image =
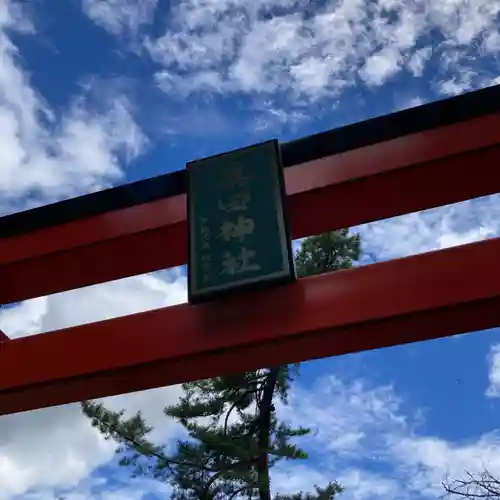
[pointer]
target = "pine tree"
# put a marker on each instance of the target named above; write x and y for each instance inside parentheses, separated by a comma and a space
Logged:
(233, 436)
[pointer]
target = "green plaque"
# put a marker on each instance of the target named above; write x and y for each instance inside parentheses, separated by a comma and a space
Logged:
(238, 233)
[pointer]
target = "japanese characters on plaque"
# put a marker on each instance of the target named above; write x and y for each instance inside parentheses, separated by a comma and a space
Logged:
(238, 233)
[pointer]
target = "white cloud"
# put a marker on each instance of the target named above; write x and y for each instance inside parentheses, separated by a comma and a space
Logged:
(365, 485)
(431, 460)
(493, 390)
(381, 66)
(432, 229)
(120, 17)
(94, 303)
(367, 438)
(291, 48)
(102, 489)
(492, 42)
(290, 480)
(24, 319)
(15, 16)
(329, 407)
(293, 54)
(56, 447)
(44, 158)
(417, 62)
(48, 448)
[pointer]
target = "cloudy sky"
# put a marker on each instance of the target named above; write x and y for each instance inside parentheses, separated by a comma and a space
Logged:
(95, 93)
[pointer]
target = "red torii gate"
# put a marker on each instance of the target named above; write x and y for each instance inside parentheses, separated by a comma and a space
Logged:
(436, 154)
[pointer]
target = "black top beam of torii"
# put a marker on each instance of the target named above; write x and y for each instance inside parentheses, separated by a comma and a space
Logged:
(372, 131)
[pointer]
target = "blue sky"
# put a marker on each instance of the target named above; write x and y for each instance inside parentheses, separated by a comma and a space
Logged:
(99, 93)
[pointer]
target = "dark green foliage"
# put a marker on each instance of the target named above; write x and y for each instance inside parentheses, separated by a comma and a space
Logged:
(232, 435)
(327, 252)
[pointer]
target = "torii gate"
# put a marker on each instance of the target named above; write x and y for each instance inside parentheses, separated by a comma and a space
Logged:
(432, 155)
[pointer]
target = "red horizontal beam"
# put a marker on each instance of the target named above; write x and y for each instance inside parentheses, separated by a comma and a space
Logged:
(427, 296)
(371, 183)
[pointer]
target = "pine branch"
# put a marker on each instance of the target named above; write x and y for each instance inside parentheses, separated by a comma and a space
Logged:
(236, 403)
(239, 491)
(216, 477)
(114, 430)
